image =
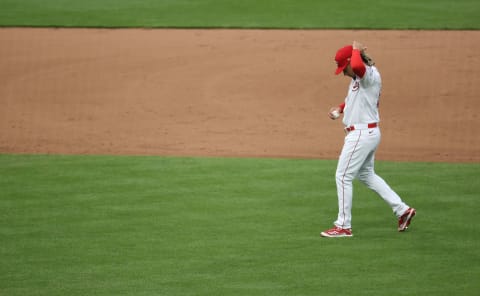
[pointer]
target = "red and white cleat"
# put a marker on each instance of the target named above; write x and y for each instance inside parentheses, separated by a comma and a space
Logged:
(337, 232)
(405, 219)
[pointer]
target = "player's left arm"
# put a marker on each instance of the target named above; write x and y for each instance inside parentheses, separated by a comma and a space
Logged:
(356, 63)
(356, 60)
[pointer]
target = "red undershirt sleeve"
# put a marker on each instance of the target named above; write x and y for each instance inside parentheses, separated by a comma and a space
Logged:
(341, 106)
(357, 64)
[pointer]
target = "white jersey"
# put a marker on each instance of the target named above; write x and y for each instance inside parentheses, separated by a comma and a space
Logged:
(361, 103)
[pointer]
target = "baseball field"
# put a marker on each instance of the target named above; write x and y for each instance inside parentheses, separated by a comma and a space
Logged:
(183, 148)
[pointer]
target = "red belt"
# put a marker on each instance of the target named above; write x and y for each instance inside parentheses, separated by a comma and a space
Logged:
(360, 126)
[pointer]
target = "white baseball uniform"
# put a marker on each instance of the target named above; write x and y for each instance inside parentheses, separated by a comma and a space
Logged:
(356, 160)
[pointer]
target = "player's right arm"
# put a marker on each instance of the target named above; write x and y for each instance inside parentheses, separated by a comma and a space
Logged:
(338, 109)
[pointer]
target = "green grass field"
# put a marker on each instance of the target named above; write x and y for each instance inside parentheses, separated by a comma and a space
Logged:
(105, 225)
(334, 14)
(102, 225)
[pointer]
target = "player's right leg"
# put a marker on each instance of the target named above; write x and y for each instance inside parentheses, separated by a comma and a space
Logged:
(355, 150)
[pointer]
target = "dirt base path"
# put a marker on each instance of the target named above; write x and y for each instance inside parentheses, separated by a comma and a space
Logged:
(232, 92)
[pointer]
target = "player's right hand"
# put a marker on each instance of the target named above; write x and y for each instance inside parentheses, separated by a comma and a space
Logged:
(334, 113)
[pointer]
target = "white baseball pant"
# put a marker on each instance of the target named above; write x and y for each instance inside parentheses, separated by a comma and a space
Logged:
(357, 161)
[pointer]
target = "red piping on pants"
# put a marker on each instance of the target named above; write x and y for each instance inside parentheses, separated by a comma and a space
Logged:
(343, 178)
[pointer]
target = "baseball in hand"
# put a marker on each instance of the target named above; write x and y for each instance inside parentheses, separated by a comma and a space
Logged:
(335, 114)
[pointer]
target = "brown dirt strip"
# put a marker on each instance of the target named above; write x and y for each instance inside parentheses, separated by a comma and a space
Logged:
(261, 93)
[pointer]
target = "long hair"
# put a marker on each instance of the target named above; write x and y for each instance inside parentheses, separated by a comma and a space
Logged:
(366, 58)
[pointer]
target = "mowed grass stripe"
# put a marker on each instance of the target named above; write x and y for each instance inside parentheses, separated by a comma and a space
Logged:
(103, 225)
(302, 14)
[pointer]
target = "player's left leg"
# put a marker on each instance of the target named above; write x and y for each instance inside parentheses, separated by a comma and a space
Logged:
(403, 212)
(368, 176)
(377, 184)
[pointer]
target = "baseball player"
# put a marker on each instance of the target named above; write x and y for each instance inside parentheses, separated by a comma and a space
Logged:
(361, 120)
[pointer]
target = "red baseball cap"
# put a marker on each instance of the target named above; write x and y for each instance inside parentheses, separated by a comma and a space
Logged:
(343, 57)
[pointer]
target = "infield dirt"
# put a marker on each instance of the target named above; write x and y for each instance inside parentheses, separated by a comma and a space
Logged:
(260, 93)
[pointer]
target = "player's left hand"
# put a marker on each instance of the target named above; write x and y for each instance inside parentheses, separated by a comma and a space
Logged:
(357, 45)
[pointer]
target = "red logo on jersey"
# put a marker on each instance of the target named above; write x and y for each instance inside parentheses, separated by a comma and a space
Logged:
(356, 86)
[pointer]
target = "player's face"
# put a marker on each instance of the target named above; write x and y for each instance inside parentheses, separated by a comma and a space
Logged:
(348, 71)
